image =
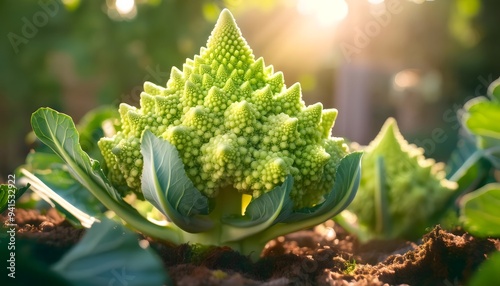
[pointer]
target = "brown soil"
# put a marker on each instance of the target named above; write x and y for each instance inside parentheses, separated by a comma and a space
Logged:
(49, 228)
(323, 256)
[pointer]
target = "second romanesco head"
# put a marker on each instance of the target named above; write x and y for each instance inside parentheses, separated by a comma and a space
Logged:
(235, 125)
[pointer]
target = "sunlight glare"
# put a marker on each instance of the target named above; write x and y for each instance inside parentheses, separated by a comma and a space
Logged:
(375, 1)
(124, 7)
(328, 12)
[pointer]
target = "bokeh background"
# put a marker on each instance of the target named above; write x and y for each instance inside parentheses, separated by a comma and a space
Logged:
(418, 61)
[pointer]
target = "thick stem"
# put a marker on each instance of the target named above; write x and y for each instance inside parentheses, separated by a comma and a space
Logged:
(246, 240)
(228, 202)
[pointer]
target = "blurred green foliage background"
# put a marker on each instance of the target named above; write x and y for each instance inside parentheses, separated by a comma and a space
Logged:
(75, 55)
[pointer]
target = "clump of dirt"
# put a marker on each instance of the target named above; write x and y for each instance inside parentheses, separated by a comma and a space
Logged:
(51, 234)
(327, 255)
(443, 257)
(50, 228)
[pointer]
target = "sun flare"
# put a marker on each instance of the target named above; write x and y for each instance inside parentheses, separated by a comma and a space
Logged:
(327, 12)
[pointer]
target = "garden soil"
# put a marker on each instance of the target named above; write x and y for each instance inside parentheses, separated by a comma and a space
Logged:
(325, 255)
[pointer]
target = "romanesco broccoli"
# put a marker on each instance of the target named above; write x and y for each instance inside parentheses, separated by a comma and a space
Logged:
(234, 123)
(398, 181)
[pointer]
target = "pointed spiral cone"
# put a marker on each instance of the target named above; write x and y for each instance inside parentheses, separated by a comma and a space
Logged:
(389, 137)
(227, 45)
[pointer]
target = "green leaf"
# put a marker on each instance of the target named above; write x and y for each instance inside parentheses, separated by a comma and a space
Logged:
(73, 214)
(43, 161)
(464, 160)
(487, 273)
(480, 211)
(62, 183)
(58, 131)
(483, 117)
(166, 185)
(467, 166)
(343, 192)
(263, 208)
(259, 214)
(109, 254)
(32, 256)
(54, 174)
(9, 193)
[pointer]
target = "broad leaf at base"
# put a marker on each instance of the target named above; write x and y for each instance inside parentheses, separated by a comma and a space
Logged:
(109, 254)
(58, 131)
(166, 185)
(343, 192)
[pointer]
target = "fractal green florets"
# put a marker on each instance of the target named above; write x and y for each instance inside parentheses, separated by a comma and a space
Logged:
(400, 192)
(234, 123)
